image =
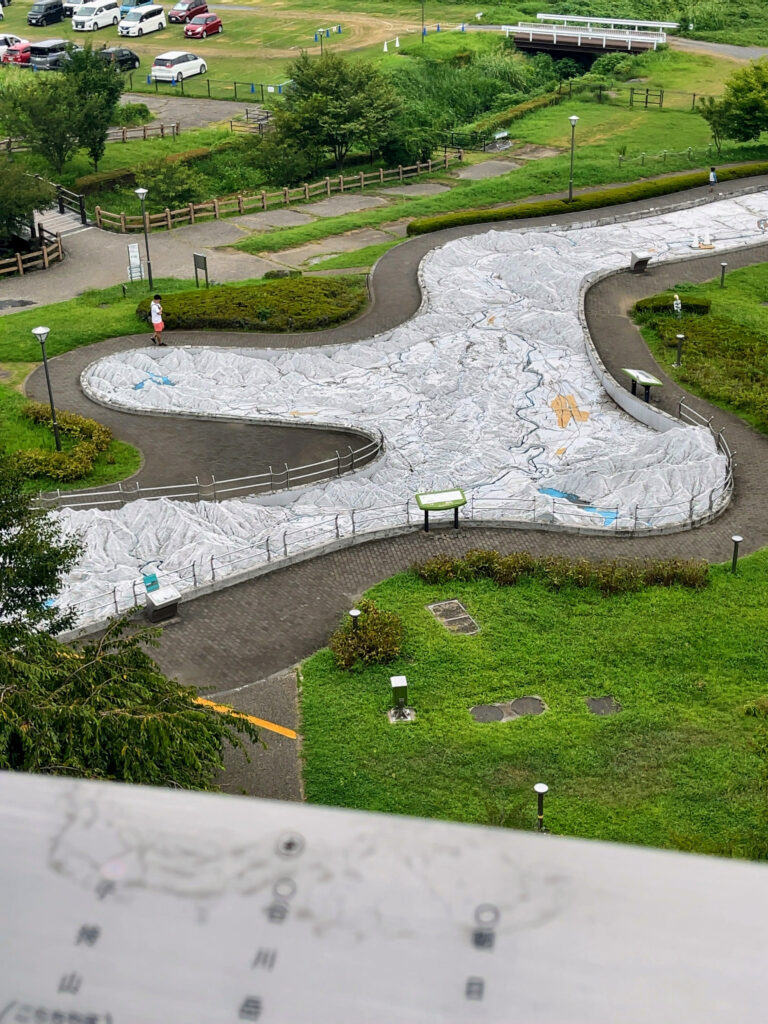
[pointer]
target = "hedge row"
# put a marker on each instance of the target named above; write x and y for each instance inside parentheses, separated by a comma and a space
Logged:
(507, 117)
(609, 577)
(288, 304)
(92, 439)
(662, 303)
(588, 201)
(101, 181)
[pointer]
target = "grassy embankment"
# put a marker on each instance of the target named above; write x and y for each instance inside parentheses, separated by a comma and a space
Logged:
(725, 355)
(683, 765)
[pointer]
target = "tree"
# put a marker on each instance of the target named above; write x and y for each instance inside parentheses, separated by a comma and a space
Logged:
(21, 194)
(43, 110)
(101, 710)
(337, 103)
(715, 114)
(98, 86)
(33, 558)
(742, 114)
(106, 711)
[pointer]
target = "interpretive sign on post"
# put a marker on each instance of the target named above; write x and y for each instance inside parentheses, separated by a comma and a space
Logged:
(646, 379)
(135, 269)
(201, 263)
(440, 501)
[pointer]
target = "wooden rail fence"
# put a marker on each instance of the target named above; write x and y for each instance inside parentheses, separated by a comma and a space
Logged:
(50, 251)
(241, 203)
(141, 131)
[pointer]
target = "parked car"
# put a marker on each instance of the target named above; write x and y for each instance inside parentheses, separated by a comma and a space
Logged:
(18, 53)
(93, 16)
(126, 60)
(185, 10)
(203, 25)
(128, 5)
(58, 60)
(7, 41)
(142, 20)
(45, 12)
(175, 65)
(71, 7)
(45, 53)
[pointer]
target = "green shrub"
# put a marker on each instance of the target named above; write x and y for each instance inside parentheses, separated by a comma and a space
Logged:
(92, 438)
(104, 181)
(609, 577)
(589, 201)
(376, 639)
(289, 304)
(131, 114)
(187, 156)
(757, 708)
(662, 303)
(277, 275)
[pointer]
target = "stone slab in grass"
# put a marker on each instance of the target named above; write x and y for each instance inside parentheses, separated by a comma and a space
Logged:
(422, 188)
(603, 705)
(507, 711)
(336, 205)
(455, 617)
(488, 169)
(273, 219)
(352, 240)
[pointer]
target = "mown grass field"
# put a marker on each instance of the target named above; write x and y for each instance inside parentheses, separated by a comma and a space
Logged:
(725, 354)
(682, 766)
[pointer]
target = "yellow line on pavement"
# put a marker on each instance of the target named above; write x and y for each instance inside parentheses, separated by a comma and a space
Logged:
(226, 709)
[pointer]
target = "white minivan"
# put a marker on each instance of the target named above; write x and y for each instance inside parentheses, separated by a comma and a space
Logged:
(90, 17)
(139, 21)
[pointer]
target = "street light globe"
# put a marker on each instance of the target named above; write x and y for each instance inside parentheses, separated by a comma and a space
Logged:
(541, 787)
(41, 333)
(737, 538)
(142, 193)
(573, 119)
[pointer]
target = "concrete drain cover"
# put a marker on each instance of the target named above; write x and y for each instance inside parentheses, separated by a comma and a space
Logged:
(603, 705)
(508, 710)
(455, 617)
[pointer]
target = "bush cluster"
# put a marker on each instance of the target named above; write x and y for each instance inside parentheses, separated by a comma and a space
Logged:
(91, 439)
(377, 638)
(662, 303)
(589, 201)
(609, 577)
(288, 304)
(104, 181)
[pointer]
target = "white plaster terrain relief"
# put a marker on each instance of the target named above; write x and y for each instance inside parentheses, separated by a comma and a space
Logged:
(488, 388)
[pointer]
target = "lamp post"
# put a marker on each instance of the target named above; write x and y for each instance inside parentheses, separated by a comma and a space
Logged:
(735, 558)
(423, 33)
(540, 789)
(723, 267)
(41, 333)
(354, 614)
(574, 120)
(680, 338)
(142, 194)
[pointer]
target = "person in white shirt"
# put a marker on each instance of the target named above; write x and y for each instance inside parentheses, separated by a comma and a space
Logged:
(156, 316)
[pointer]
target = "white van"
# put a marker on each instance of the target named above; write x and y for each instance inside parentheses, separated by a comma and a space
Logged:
(90, 17)
(141, 20)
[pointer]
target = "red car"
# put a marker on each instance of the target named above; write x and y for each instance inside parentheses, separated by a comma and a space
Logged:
(17, 54)
(203, 25)
(185, 10)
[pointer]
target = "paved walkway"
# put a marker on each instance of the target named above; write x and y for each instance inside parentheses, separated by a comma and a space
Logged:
(238, 644)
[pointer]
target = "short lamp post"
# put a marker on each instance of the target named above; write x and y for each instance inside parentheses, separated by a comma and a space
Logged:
(735, 558)
(41, 333)
(354, 614)
(142, 194)
(723, 267)
(540, 789)
(574, 121)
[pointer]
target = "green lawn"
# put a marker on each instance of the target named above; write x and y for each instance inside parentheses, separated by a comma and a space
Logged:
(682, 766)
(359, 258)
(725, 355)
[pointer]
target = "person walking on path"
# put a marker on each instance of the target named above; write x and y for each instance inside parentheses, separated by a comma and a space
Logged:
(156, 316)
(712, 179)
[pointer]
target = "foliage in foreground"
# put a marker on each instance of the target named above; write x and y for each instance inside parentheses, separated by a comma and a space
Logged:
(684, 765)
(609, 577)
(374, 639)
(587, 201)
(289, 304)
(106, 711)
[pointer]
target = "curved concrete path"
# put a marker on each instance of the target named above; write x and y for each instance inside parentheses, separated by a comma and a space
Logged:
(237, 644)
